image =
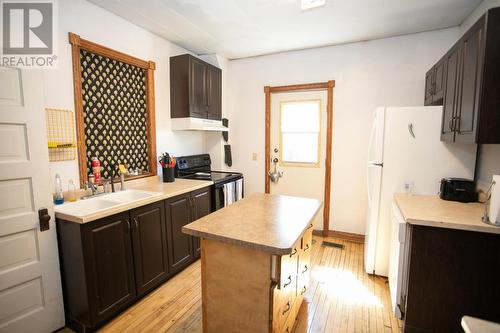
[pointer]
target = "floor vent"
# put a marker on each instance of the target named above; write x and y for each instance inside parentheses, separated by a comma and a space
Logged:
(332, 244)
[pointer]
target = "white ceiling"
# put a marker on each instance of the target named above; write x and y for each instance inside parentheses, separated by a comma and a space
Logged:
(244, 28)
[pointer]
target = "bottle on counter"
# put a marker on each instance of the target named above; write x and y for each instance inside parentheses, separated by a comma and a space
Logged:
(58, 192)
(71, 191)
(96, 169)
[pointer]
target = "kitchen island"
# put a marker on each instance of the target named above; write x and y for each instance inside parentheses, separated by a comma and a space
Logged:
(255, 262)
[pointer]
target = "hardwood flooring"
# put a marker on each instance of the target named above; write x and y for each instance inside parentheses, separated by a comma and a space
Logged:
(341, 298)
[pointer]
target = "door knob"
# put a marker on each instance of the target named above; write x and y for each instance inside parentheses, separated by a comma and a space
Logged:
(44, 217)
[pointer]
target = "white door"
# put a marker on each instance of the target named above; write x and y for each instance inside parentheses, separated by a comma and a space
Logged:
(30, 286)
(298, 144)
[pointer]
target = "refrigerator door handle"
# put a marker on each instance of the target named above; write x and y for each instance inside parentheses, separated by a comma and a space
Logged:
(372, 139)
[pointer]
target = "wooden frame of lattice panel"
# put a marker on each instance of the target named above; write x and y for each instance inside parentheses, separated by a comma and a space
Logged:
(77, 44)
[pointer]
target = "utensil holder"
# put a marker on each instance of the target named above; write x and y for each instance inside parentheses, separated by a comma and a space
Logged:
(168, 175)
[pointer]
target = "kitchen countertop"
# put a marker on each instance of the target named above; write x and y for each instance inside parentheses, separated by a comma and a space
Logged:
(475, 325)
(264, 222)
(430, 210)
(150, 184)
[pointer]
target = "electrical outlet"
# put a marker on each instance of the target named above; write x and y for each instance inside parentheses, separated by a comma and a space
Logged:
(254, 156)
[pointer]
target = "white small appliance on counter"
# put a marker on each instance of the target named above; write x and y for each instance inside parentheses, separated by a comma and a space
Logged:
(492, 212)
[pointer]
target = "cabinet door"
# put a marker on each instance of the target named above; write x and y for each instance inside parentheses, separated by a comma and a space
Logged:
(452, 60)
(149, 239)
(202, 205)
(214, 86)
(178, 213)
(439, 82)
(108, 258)
(429, 86)
(198, 89)
(469, 93)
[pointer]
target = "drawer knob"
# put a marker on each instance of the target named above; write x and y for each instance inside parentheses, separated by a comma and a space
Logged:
(306, 247)
(294, 252)
(287, 308)
(305, 269)
(304, 289)
(288, 282)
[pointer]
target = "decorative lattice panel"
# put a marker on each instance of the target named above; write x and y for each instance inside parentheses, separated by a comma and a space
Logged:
(115, 114)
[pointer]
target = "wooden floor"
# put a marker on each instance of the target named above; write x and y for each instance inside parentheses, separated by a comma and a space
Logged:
(341, 298)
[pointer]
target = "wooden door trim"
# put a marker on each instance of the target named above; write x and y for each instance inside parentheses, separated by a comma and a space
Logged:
(328, 86)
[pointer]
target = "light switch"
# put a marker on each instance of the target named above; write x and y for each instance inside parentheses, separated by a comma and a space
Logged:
(254, 156)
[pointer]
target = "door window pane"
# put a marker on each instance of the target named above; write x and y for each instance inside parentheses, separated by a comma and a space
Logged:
(300, 130)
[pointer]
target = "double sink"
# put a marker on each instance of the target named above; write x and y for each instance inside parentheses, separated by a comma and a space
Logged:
(82, 208)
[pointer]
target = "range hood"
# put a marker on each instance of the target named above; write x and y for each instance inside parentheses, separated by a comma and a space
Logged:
(197, 124)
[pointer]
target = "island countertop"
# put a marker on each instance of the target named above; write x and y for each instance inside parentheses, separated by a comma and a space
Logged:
(265, 222)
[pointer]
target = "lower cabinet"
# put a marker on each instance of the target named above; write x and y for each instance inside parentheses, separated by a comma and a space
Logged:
(107, 264)
(149, 239)
(109, 268)
(288, 293)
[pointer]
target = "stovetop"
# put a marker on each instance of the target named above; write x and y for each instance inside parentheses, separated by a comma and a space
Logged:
(198, 167)
(215, 176)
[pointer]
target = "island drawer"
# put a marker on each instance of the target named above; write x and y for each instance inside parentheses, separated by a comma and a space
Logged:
(283, 303)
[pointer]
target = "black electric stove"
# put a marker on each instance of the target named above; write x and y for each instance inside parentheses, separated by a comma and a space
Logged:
(199, 167)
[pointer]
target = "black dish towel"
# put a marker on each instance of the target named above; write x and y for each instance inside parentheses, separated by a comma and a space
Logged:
(227, 155)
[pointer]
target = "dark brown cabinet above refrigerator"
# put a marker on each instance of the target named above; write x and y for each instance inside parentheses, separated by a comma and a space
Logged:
(195, 92)
(466, 82)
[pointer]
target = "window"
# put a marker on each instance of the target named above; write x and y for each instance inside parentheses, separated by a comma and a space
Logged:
(300, 132)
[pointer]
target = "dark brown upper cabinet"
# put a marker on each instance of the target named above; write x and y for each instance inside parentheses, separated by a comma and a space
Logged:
(149, 237)
(435, 80)
(195, 88)
(469, 84)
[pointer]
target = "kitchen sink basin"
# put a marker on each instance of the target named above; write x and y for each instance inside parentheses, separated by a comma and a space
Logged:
(130, 195)
(81, 209)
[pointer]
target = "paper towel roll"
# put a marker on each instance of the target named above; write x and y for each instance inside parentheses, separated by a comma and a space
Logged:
(495, 200)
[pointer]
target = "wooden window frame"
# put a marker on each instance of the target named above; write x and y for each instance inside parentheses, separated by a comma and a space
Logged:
(78, 44)
(284, 163)
(328, 86)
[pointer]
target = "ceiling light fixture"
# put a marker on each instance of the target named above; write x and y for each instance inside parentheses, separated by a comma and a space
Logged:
(310, 4)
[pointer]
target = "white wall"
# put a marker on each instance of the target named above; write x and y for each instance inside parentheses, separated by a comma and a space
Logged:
(488, 162)
(477, 13)
(100, 26)
(368, 74)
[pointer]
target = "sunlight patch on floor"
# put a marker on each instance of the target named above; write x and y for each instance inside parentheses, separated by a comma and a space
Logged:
(345, 286)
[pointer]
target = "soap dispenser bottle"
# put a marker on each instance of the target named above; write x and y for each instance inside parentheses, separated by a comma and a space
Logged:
(58, 192)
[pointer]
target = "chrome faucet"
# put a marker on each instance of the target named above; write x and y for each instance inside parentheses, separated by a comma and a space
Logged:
(122, 181)
(90, 185)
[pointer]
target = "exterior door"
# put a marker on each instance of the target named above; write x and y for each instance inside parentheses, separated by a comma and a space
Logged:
(298, 145)
(30, 283)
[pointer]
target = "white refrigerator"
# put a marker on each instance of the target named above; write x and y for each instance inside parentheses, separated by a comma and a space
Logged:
(405, 149)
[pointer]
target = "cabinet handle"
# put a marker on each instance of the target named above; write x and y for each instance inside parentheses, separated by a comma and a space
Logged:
(304, 289)
(288, 282)
(310, 226)
(293, 252)
(305, 269)
(306, 247)
(287, 308)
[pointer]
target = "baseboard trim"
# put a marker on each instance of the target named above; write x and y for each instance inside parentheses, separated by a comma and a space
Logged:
(356, 238)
